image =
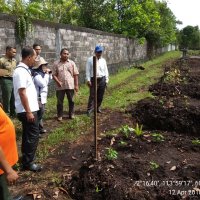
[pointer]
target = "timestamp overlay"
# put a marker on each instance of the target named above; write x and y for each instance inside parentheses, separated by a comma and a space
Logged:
(174, 187)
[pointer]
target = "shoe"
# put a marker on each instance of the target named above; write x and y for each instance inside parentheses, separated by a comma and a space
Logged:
(18, 198)
(99, 110)
(43, 131)
(59, 119)
(71, 116)
(89, 112)
(33, 167)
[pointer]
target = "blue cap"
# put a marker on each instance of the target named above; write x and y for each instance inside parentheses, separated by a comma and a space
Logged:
(98, 48)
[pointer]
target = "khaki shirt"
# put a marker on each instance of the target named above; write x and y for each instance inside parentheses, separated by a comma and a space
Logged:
(7, 66)
(65, 72)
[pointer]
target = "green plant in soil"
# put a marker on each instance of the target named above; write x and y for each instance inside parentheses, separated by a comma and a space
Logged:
(126, 130)
(161, 102)
(111, 154)
(97, 189)
(138, 130)
(196, 142)
(122, 143)
(173, 76)
(157, 137)
(154, 165)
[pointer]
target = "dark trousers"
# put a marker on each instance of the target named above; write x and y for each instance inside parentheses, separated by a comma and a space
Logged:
(60, 94)
(8, 95)
(40, 116)
(4, 193)
(101, 86)
(30, 138)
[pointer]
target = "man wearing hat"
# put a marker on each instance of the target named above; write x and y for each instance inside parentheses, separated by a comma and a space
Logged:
(102, 79)
(42, 76)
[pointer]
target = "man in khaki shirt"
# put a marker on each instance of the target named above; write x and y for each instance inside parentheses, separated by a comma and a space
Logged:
(65, 74)
(7, 66)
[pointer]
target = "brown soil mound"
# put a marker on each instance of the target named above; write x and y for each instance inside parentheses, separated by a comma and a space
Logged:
(147, 168)
(180, 115)
(176, 107)
(143, 170)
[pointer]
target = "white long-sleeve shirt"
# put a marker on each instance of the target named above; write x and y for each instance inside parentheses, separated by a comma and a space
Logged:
(41, 85)
(102, 69)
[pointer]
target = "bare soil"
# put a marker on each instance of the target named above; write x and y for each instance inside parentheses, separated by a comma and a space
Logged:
(145, 169)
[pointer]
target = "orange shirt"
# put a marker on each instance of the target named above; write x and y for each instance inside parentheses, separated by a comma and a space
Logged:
(8, 139)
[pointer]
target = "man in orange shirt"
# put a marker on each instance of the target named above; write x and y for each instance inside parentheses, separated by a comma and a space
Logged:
(8, 155)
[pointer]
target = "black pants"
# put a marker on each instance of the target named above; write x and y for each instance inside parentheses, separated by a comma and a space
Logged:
(8, 99)
(60, 94)
(101, 86)
(40, 116)
(4, 193)
(30, 138)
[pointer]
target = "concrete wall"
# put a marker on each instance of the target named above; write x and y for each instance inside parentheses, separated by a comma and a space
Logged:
(119, 50)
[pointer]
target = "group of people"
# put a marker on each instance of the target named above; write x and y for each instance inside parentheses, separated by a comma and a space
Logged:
(24, 93)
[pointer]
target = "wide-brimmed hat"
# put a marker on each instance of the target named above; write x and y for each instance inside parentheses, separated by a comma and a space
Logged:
(40, 61)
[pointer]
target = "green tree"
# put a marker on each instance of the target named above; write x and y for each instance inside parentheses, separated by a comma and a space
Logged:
(189, 37)
(60, 11)
(98, 14)
(165, 33)
(4, 8)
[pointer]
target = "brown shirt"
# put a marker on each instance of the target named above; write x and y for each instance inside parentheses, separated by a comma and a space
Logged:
(8, 65)
(65, 72)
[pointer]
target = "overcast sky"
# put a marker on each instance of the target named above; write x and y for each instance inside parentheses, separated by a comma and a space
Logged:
(187, 11)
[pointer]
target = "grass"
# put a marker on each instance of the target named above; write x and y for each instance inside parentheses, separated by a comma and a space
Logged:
(66, 132)
(128, 86)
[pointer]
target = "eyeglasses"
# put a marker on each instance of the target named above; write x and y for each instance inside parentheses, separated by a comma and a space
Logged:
(37, 49)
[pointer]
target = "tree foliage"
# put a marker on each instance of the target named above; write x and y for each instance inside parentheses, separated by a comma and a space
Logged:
(189, 37)
(149, 19)
(97, 14)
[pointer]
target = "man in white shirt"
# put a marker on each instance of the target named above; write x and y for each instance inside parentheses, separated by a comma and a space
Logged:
(102, 79)
(26, 108)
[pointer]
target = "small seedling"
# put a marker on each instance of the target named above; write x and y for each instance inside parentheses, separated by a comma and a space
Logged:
(161, 102)
(111, 154)
(157, 137)
(122, 143)
(138, 130)
(196, 142)
(126, 130)
(154, 165)
(97, 189)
